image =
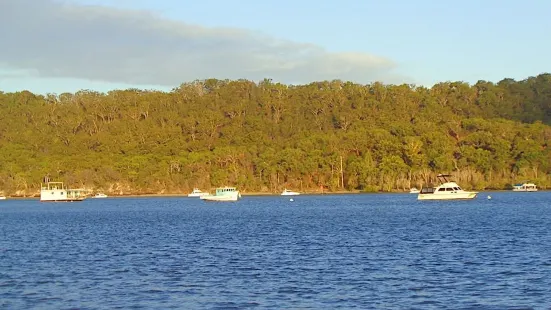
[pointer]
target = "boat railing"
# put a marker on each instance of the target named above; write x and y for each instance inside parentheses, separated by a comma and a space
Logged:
(52, 186)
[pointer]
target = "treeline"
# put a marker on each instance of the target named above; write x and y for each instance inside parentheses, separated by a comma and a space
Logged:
(266, 136)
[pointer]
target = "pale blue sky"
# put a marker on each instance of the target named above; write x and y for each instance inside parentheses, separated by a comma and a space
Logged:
(421, 42)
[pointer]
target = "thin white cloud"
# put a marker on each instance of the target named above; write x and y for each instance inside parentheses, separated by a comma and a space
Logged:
(62, 40)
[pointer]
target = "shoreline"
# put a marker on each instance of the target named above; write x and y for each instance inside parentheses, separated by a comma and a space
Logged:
(259, 194)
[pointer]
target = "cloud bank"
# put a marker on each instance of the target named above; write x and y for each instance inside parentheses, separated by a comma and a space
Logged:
(51, 39)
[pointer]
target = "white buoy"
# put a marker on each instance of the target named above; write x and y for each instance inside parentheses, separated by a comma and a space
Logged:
(291, 199)
(489, 197)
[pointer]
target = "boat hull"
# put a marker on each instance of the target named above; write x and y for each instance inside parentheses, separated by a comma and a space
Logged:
(59, 196)
(230, 196)
(290, 194)
(63, 200)
(451, 196)
(220, 198)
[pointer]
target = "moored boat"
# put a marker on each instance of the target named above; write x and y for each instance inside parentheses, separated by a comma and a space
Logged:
(197, 193)
(57, 192)
(525, 187)
(287, 192)
(414, 190)
(447, 190)
(100, 195)
(223, 194)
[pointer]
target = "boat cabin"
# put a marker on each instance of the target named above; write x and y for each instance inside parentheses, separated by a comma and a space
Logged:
(445, 185)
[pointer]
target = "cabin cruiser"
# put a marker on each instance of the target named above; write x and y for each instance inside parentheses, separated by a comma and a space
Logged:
(525, 187)
(100, 195)
(287, 192)
(197, 193)
(223, 194)
(447, 190)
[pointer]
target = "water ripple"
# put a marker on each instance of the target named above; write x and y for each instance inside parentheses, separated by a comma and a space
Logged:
(319, 252)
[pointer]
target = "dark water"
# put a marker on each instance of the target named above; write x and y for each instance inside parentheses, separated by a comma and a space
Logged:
(318, 252)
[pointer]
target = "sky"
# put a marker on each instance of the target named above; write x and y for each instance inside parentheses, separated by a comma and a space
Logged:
(56, 46)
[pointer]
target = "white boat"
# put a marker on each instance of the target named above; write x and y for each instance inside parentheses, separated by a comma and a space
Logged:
(223, 194)
(414, 190)
(2, 197)
(447, 190)
(56, 191)
(287, 192)
(197, 193)
(525, 187)
(100, 195)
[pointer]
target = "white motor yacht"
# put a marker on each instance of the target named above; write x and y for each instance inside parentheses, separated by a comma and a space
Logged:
(197, 193)
(447, 190)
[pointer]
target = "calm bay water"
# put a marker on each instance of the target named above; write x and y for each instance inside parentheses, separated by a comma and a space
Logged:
(318, 252)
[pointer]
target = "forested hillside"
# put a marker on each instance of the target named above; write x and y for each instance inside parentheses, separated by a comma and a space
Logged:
(266, 136)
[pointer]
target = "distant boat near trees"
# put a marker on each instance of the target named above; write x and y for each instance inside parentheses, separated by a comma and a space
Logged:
(223, 194)
(197, 193)
(57, 192)
(287, 192)
(525, 187)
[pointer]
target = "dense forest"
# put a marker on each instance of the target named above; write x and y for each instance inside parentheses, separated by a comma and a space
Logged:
(265, 136)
